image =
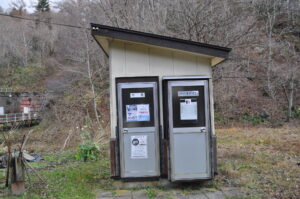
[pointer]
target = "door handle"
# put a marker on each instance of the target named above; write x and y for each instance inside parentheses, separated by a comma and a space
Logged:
(125, 130)
(203, 130)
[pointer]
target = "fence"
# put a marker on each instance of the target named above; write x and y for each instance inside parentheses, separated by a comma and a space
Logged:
(6, 90)
(18, 117)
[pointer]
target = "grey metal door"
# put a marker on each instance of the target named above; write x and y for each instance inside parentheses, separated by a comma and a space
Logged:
(138, 129)
(189, 130)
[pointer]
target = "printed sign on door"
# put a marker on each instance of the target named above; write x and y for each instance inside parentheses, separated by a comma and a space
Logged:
(139, 147)
(137, 113)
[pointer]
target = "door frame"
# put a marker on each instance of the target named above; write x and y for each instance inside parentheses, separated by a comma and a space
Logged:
(119, 146)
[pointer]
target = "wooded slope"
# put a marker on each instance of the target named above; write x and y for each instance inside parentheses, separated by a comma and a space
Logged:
(258, 84)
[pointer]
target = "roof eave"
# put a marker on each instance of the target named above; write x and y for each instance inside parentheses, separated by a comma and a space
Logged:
(162, 41)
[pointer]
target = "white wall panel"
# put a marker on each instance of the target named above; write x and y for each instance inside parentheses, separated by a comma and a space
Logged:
(117, 69)
(203, 67)
(132, 59)
(117, 59)
(137, 60)
(184, 64)
(161, 62)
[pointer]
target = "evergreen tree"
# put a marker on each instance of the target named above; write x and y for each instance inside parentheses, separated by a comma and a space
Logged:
(43, 6)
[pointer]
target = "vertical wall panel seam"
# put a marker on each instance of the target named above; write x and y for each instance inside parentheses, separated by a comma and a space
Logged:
(173, 66)
(196, 61)
(125, 57)
(148, 52)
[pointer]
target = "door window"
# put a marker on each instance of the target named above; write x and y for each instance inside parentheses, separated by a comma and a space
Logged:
(188, 106)
(137, 107)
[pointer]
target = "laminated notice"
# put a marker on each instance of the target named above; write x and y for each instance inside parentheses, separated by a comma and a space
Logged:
(188, 109)
(137, 112)
(139, 147)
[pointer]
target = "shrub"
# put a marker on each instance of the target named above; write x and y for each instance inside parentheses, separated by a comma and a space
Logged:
(87, 151)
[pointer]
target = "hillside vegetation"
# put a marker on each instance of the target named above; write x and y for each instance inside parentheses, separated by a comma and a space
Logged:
(259, 84)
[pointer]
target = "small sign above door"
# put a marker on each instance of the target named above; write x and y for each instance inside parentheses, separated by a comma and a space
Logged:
(137, 95)
(188, 93)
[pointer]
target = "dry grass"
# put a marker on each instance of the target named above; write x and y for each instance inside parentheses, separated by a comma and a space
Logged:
(263, 161)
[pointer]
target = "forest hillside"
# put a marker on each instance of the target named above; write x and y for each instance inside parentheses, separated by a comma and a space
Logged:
(49, 51)
(53, 51)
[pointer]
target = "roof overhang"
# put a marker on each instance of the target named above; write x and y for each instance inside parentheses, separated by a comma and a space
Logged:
(103, 34)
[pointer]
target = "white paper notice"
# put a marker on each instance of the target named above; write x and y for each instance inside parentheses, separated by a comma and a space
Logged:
(137, 112)
(2, 110)
(188, 109)
(139, 147)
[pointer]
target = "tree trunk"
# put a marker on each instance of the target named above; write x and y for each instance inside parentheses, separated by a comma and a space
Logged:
(290, 98)
(90, 78)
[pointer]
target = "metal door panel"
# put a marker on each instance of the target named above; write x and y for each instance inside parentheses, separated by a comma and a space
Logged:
(190, 156)
(189, 144)
(148, 165)
(136, 167)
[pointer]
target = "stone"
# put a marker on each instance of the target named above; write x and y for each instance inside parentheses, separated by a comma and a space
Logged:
(121, 193)
(197, 196)
(215, 195)
(139, 194)
(179, 196)
(105, 194)
(231, 192)
(132, 185)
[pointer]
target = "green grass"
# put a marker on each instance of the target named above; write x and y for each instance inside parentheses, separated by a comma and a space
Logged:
(67, 178)
(151, 193)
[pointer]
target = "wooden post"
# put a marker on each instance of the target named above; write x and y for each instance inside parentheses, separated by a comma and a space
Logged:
(17, 175)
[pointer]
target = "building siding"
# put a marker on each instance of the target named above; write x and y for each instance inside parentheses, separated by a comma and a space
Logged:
(131, 59)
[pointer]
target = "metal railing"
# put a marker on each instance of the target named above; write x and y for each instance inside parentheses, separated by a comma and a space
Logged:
(18, 117)
(6, 90)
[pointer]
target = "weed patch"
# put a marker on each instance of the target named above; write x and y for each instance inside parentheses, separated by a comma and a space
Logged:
(67, 178)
